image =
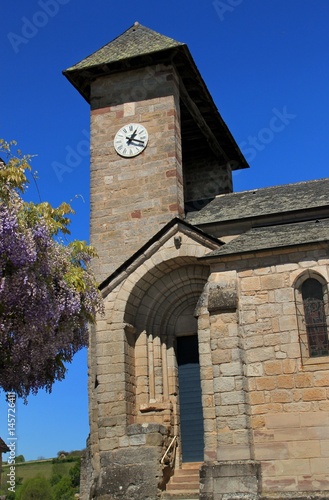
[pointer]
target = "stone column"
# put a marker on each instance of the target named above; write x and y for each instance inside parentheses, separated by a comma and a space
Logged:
(229, 469)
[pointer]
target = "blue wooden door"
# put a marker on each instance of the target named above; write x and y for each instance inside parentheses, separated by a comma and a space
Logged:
(191, 417)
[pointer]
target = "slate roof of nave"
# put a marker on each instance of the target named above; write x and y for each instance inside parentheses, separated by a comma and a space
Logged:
(279, 236)
(134, 42)
(301, 196)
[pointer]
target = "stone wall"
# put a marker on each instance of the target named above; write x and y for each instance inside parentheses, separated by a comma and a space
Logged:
(131, 199)
(271, 404)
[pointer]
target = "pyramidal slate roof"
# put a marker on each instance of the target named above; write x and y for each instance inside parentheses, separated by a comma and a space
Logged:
(276, 237)
(265, 201)
(136, 41)
(141, 47)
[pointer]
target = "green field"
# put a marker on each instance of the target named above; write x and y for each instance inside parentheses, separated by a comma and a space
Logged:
(38, 468)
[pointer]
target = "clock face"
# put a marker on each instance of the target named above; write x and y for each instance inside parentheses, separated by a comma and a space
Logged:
(130, 140)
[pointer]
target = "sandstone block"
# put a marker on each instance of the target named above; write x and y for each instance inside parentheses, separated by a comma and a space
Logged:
(256, 398)
(254, 369)
(285, 382)
(273, 281)
(304, 380)
(263, 435)
(315, 394)
(288, 323)
(271, 451)
(324, 446)
(267, 408)
(233, 452)
(288, 366)
(273, 367)
(257, 421)
(314, 419)
(260, 354)
(266, 383)
(252, 284)
(321, 379)
(282, 483)
(281, 396)
(234, 368)
(224, 384)
(293, 467)
(303, 449)
(284, 420)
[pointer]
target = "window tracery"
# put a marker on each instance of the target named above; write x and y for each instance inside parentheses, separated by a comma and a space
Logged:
(315, 317)
(311, 295)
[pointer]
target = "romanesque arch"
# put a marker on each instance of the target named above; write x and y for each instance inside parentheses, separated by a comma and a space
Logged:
(160, 308)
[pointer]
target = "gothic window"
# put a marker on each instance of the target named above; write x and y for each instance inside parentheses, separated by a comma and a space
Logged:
(311, 293)
(315, 318)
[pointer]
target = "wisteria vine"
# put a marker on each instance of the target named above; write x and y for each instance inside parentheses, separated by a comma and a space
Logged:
(48, 294)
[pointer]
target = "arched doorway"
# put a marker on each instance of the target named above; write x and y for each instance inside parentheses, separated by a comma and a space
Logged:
(166, 369)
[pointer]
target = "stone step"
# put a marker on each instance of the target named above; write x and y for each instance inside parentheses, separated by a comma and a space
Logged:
(187, 472)
(185, 478)
(181, 486)
(178, 495)
(191, 465)
(184, 484)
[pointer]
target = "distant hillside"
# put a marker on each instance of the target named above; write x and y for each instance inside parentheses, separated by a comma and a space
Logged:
(50, 469)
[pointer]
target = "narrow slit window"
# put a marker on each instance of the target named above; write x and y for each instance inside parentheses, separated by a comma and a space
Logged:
(315, 318)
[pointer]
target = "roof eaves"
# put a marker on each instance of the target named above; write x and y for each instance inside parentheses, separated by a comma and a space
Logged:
(152, 241)
(213, 255)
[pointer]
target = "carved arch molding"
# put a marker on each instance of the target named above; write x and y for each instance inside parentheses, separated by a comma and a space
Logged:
(160, 307)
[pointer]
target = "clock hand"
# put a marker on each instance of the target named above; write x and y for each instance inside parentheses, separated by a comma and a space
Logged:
(133, 139)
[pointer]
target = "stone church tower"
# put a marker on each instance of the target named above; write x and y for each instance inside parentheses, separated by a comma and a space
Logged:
(203, 360)
(148, 79)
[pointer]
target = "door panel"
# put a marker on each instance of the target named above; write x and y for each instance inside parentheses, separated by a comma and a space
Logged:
(191, 417)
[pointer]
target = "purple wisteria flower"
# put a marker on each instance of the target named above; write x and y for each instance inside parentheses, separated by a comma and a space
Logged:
(48, 295)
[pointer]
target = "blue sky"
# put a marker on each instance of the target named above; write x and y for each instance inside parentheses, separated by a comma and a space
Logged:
(265, 64)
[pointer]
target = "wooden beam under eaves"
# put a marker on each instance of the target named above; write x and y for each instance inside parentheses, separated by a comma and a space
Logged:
(202, 124)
